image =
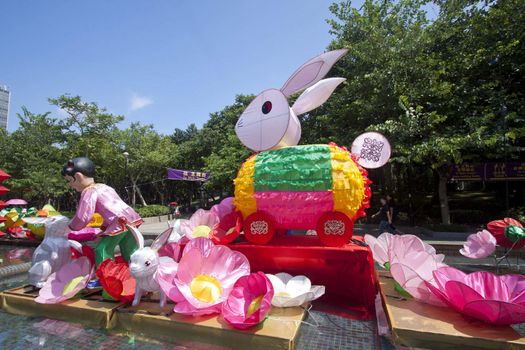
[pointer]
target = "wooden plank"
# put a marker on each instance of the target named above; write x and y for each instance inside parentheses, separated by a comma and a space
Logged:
(416, 324)
(278, 331)
(91, 311)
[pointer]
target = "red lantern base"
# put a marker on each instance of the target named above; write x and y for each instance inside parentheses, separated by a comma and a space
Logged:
(347, 272)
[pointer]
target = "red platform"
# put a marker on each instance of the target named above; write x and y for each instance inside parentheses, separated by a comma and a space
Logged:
(347, 272)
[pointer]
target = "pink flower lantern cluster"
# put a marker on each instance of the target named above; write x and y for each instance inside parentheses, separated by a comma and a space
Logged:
(507, 233)
(214, 279)
(498, 300)
(410, 261)
(221, 223)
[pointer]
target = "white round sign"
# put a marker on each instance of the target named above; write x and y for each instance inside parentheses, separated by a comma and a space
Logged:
(372, 148)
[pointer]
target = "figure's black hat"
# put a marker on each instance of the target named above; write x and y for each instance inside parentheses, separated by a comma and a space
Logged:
(81, 165)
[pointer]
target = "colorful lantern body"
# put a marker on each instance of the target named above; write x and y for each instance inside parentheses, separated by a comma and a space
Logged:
(498, 228)
(302, 187)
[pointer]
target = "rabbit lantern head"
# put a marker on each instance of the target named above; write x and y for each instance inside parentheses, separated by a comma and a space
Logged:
(269, 122)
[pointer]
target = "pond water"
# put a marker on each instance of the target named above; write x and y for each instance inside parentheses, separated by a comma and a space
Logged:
(319, 330)
(15, 255)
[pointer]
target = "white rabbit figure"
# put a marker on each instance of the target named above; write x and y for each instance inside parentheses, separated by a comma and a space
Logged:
(145, 262)
(54, 250)
(268, 122)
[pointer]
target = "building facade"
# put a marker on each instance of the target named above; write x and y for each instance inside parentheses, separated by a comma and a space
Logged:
(4, 106)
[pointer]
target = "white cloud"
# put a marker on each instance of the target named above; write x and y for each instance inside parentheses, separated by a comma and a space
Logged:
(138, 102)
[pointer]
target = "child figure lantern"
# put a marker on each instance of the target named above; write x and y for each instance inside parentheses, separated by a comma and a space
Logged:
(104, 200)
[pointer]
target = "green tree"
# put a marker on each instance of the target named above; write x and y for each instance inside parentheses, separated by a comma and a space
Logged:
(89, 131)
(33, 156)
(444, 91)
(149, 156)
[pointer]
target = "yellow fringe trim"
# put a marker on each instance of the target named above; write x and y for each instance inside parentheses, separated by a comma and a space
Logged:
(244, 188)
(348, 183)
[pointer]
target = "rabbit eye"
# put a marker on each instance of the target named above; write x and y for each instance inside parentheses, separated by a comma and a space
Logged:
(147, 263)
(266, 107)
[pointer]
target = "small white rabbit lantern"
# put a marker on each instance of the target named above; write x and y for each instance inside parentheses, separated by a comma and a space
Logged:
(54, 250)
(269, 122)
(145, 263)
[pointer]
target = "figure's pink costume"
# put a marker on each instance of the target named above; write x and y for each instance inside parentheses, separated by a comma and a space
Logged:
(102, 199)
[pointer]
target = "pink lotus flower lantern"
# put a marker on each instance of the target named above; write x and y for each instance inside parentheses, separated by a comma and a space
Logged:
(410, 261)
(249, 301)
(199, 225)
(411, 272)
(379, 247)
(206, 275)
(479, 245)
(66, 282)
(498, 300)
(223, 208)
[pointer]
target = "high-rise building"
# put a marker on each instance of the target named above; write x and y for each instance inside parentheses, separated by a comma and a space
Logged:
(4, 106)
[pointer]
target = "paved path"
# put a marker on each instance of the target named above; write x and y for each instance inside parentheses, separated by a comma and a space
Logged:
(154, 229)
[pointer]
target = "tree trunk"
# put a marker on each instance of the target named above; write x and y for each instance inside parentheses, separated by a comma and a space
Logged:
(140, 196)
(160, 191)
(133, 194)
(443, 197)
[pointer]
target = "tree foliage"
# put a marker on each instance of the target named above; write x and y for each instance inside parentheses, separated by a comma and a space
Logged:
(445, 86)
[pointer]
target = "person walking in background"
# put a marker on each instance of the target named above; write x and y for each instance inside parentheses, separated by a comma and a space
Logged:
(392, 209)
(385, 216)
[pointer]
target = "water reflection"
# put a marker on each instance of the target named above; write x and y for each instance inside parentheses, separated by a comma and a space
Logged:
(13, 256)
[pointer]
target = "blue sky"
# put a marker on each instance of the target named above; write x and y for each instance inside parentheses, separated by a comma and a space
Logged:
(167, 63)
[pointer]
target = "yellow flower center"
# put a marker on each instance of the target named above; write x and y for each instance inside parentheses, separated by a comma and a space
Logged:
(201, 231)
(283, 294)
(205, 288)
(254, 305)
(71, 284)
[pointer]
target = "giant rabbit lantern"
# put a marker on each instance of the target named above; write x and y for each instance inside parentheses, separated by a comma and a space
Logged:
(285, 186)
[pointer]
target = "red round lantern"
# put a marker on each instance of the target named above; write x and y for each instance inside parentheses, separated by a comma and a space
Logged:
(334, 229)
(259, 228)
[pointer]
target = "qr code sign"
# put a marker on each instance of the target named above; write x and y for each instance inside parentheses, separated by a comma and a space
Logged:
(371, 149)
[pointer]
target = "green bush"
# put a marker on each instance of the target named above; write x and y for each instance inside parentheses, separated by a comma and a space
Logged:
(153, 210)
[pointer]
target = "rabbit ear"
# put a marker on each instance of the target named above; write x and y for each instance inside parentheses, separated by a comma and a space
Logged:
(75, 245)
(312, 71)
(161, 239)
(138, 236)
(316, 95)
